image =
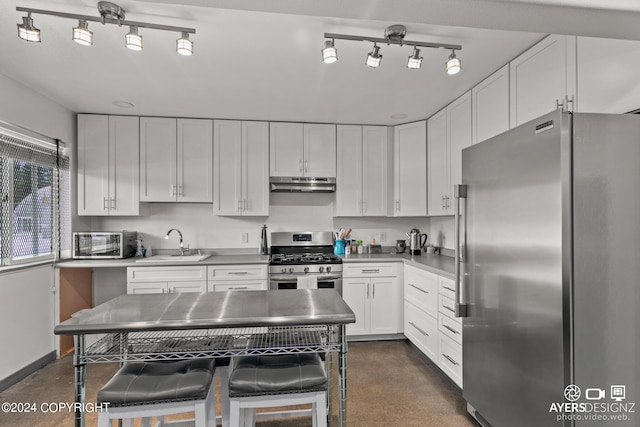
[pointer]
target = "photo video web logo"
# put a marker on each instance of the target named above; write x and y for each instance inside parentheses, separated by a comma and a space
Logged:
(593, 404)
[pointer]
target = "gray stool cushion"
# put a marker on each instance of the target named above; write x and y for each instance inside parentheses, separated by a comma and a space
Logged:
(276, 374)
(139, 383)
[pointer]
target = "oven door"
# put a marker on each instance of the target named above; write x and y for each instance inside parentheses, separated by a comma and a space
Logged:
(290, 281)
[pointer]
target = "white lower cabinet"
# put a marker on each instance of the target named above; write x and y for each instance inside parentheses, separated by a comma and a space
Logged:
(151, 280)
(374, 294)
(429, 319)
(240, 277)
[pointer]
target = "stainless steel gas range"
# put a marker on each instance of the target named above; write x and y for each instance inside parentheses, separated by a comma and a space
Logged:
(304, 260)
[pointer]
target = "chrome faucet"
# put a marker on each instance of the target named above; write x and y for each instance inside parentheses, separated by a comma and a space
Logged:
(182, 250)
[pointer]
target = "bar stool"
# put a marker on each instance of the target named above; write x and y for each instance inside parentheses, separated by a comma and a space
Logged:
(146, 389)
(277, 380)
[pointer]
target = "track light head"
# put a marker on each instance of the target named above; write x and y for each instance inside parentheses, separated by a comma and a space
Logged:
(132, 39)
(81, 34)
(184, 46)
(374, 57)
(26, 30)
(415, 60)
(453, 64)
(329, 52)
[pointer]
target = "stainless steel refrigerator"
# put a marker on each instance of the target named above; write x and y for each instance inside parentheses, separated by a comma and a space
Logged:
(548, 232)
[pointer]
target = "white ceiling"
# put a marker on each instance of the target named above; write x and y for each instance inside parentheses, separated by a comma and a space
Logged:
(261, 60)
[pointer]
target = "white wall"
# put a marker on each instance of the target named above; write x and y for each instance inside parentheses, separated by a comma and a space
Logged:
(288, 212)
(26, 296)
(442, 232)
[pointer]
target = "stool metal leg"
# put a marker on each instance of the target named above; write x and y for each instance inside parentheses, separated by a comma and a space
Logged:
(342, 378)
(80, 377)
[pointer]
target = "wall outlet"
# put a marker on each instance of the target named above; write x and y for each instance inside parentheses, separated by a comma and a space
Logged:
(244, 237)
(383, 237)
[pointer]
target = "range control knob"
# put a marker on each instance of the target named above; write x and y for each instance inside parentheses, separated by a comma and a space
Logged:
(290, 269)
(328, 269)
(284, 270)
(321, 269)
(306, 269)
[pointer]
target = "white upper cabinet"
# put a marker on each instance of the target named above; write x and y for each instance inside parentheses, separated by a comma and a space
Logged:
(542, 77)
(449, 133)
(298, 150)
(410, 169)
(608, 75)
(241, 168)
(362, 170)
(108, 165)
(490, 106)
(176, 160)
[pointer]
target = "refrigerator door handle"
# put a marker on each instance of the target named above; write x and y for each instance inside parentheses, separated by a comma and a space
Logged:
(460, 193)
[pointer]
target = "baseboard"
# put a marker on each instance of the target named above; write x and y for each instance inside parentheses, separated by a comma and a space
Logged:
(385, 337)
(18, 376)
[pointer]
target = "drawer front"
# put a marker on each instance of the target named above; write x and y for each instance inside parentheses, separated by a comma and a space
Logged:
(357, 269)
(166, 274)
(422, 330)
(450, 328)
(421, 289)
(238, 272)
(447, 287)
(249, 285)
(451, 359)
(448, 306)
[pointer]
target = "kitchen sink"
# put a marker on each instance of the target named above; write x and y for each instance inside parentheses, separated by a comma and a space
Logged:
(174, 258)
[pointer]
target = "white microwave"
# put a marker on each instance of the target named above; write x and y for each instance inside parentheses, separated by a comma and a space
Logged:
(104, 244)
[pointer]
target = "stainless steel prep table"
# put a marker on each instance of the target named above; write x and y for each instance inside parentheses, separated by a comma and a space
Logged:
(210, 324)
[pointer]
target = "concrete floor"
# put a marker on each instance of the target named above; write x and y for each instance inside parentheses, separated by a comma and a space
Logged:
(388, 385)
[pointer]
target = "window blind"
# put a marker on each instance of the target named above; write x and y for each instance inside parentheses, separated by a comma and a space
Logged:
(34, 198)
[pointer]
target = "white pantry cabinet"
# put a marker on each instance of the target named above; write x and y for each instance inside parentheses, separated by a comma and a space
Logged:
(108, 165)
(241, 168)
(166, 279)
(298, 149)
(176, 160)
(449, 133)
(362, 170)
(542, 77)
(374, 293)
(490, 106)
(410, 169)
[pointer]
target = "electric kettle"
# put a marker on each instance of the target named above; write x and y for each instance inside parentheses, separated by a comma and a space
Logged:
(417, 241)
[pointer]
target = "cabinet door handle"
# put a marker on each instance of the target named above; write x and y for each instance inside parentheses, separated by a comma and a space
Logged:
(306, 165)
(180, 190)
(105, 204)
(112, 203)
(373, 292)
(364, 206)
(173, 189)
(367, 290)
(419, 330)
(442, 202)
(370, 271)
(239, 288)
(300, 165)
(449, 308)
(451, 329)
(416, 287)
(397, 205)
(450, 359)
(238, 273)
(448, 288)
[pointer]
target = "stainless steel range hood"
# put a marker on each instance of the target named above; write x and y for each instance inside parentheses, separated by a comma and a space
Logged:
(302, 185)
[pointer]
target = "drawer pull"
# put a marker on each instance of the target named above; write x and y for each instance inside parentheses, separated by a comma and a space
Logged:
(419, 330)
(449, 308)
(450, 359)
(451, 329)
(420, 289)
(371, 271)
(449, 289)
(239, 287)
(238, 273)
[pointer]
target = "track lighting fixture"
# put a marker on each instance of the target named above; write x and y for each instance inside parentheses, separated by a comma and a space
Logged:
(26, 30)
(133, 40)
(184, 46)
(329, 53)
(374, 57)
(110, 13)
(393, 34)
(81, 34)
(453, 64)
(415, 60)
